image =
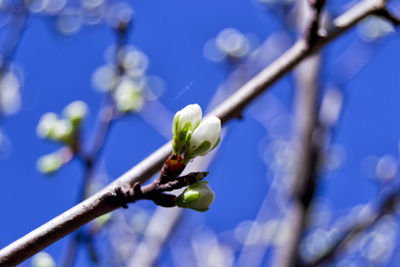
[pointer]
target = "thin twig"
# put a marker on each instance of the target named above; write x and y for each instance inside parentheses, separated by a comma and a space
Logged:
(13, 37)
(105, 118)
(104, 121)
(232, 107)
(387, 206)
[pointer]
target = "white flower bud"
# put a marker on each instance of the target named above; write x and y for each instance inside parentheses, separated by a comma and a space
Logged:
(191, 113)
(198, 196)
(205, 137)
(75, 111)
(186, 120)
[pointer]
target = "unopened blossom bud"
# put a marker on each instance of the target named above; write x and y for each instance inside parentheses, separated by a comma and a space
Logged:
(197, 196)
(50, 163)
(185, 121)
(204, 138)
(76, 111)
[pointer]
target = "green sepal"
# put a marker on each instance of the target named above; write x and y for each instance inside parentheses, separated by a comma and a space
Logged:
(196, 125)
(204, 147)
(188, 196)
(201, 210)
(184, 131)
(216, 143)
(175, 124)
(188, 138)
(191, 196)
(175, 145)
(187, 156)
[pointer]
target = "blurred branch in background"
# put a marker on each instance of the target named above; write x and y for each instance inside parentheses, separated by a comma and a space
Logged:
(19, 14)
(164, 221)
(232, 107)
(306, 142)
(106, 116)
(388, 204)
(14, 22)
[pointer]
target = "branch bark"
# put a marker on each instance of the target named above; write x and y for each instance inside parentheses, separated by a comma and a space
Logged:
(232, 107)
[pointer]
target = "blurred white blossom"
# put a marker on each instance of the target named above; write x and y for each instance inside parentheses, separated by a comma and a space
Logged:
(128, 96)
(374, 27)
(229, 43)
(75, 111)
(10, 99)
(50, 163)
(43, 259)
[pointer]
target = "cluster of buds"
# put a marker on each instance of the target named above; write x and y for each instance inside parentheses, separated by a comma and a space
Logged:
(192, 137)
(125, 78)
(63, 129)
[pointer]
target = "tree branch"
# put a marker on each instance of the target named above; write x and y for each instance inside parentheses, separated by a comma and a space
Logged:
(100, 203)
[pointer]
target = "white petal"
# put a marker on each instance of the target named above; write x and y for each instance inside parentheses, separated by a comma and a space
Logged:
(190, 113)
(208, 130)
